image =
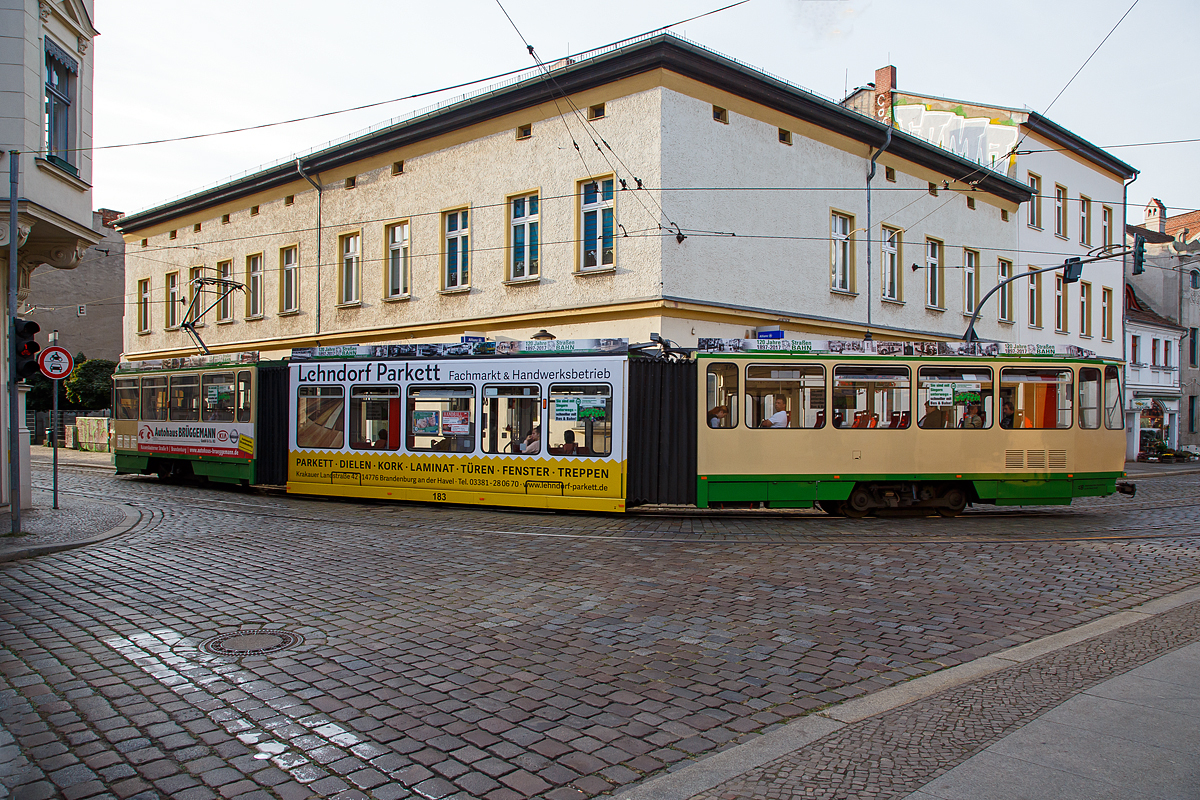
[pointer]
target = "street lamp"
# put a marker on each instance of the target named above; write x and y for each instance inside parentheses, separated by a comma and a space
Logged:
(543, 335)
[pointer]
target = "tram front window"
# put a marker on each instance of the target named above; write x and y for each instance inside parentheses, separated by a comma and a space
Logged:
(1041, 398)
(154, 398)
(185, 398)
(217, 397)
(1089, 398)
(871, 397)
(955, 397)
(580, 419)
(785, 396)
(375, 417)
(243, 396)
(722, 402)
(512, 419)
(1114, 401)
(319, 417)
(441, 419)
(126, 397)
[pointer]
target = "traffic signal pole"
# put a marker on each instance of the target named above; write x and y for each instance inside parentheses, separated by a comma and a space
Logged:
(14, 452)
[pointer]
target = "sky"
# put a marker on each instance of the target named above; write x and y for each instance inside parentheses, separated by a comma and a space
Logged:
(172, 69)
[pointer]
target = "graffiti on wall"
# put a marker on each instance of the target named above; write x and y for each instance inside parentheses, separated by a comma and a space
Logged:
(976, 139)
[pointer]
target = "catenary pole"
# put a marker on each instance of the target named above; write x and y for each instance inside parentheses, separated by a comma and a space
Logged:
(14, 452)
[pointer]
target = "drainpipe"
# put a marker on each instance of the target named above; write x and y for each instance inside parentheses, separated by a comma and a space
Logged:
(887, 141)
(317, 186)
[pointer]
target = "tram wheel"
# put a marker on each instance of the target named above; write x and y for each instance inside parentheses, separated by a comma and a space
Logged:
(953, 503)
(858, 505)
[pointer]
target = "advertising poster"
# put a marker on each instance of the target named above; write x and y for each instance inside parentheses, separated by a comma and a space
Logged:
(566, 409)
(941, 395)
(455, 423)
(426, 423)
(233, 439)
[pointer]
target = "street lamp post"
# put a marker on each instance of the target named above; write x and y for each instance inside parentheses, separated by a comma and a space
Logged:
(54, 424)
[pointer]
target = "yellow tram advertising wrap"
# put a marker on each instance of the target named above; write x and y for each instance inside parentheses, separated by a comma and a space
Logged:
(529, 432)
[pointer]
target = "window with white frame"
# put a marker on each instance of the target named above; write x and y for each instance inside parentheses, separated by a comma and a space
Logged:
(1085, 308)
(193, 291)
(1006, 292)
(1167, 356)
(934, 291)
(143, 317)
(289, 279)
(458, 249)
(1060, 304)
(1060, 211)
(396, 282)
(254, 286)
(173, 300)
(1085, 221)
(349, 276)
(60, 71)
(1154, 352)
(225, 307)
(1106, 314)
(970, 281)
(523, 217)
(841, 275)
(1106, 225)
(1035, 300)
(890, 263)
(597, 215)
(1035, 202)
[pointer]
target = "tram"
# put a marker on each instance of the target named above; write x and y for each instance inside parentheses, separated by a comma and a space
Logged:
(851, 427)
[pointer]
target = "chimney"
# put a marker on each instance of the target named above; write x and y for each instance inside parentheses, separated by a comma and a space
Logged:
(885, 84)
(1155, 216)
(108, 217)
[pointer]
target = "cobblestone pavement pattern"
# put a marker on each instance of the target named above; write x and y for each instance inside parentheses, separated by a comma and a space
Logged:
(475, 653)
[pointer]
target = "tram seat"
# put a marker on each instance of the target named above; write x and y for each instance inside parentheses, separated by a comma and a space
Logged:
(873, 421)
(903, 419)
(820, 420)
(894, 422)
(580, 450)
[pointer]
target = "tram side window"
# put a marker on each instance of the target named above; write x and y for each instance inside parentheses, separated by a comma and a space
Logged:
(243, 396)
(185, 398)
(126, 406)
(1041, 397)
(1089, 398)
(580, 417)
(511, 421)
(722, 395)
(217, 397)
(375, 417)
(441, 419)
(154, 398)
(785, 396)
(1114, 417)
(319, 418)
(871, 397)
(955, 397)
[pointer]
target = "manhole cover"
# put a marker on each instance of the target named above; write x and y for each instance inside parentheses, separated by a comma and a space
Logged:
(250, 643)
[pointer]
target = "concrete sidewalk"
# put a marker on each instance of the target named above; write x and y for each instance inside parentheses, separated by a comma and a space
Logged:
(1131, 737)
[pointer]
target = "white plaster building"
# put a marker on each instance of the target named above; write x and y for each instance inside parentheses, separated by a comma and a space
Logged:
(1078, 208)
(46, 115)
(704, 198)
(1152, 388)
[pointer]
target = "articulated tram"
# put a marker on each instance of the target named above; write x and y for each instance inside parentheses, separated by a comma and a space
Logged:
(853, 428)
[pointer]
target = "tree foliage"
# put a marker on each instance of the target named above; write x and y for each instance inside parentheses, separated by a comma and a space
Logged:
(90, 385)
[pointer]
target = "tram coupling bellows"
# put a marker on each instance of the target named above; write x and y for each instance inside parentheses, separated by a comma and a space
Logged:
(1127, 487)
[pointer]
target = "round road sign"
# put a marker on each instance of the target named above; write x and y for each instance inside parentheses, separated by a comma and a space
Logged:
(56, 362)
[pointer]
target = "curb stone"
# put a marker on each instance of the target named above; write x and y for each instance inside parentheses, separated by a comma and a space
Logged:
(132, 517)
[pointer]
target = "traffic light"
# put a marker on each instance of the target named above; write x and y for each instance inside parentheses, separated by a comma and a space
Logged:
(1139, 254)
(27, 349)
(1072, 270)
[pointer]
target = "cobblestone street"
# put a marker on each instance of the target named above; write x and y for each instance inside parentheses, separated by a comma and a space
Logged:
(446, 652)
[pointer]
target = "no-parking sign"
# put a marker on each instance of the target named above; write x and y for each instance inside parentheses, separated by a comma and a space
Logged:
(56, 362)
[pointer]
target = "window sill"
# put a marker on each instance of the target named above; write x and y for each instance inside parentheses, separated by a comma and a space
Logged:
(144, 333)
(399, 298)
(225, 321)
(939, 309)
(61, 174)
(843, 292)
(253, 317)
(522, 281)
(290, 312)
(1035, 227)
(1062, 333)
(1006, 321)
(1035, 327)
(352, 304)
(891, 300)
(455, 290)
(583, 273)
(1085, 336)
(1064, 237)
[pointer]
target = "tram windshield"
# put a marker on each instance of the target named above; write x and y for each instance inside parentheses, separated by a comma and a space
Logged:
(1041, 398)
(785, 396)
(441, 419)
(511, 420)
(955, 397)
(319, 417)
(126, 398)
(1114, 400)
(580, 419)
(871, 397)
(375, 417)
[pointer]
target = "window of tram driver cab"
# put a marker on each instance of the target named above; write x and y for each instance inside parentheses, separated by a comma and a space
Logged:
(955, 397)
(722, 402)
(441, 419)
(780, 395)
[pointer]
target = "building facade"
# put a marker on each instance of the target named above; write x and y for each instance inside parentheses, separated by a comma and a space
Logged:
(46, 77)
(1077, 209)
(1152, 386)
(653, 188)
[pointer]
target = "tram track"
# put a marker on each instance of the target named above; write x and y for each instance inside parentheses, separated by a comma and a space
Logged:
(707, 537)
